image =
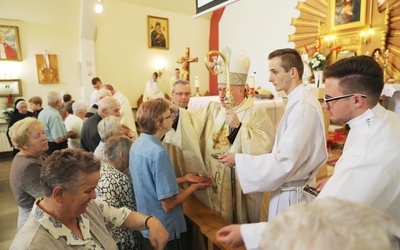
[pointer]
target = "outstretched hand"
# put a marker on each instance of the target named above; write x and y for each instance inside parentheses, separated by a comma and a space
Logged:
(201, 182)
(230, 235)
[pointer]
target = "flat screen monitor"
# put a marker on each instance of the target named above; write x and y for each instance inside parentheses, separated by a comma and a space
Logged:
(205, 6)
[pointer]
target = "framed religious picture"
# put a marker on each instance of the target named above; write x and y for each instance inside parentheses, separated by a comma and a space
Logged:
(347, 14)
(10, 49)
(157, 32)
(10, 87)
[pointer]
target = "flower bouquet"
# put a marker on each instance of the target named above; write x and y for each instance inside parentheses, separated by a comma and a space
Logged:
(317, 62)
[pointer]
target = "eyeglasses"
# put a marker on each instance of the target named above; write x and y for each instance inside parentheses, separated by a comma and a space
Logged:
(171, 116)
(336, 98)
(183, 94)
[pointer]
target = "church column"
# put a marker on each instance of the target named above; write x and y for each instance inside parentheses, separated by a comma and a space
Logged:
(87, 28)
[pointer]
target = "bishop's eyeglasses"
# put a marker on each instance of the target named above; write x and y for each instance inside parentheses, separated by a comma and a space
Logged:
(328, 99)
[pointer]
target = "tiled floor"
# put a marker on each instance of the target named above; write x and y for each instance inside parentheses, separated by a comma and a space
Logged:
(8, 207)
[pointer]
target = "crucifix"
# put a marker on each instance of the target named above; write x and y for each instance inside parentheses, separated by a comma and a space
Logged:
(185, 61)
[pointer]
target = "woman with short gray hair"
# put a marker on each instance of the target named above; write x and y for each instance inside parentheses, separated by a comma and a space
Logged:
(109, 126)
(115, 186)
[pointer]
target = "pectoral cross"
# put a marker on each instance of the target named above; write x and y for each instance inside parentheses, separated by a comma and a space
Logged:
(185, 61)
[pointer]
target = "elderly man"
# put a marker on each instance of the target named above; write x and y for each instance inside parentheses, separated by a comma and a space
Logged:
(205, 133)
(74, 122)
(181, 93)
(90, 137)
(57, 135)
(126, 110)
(101, 93)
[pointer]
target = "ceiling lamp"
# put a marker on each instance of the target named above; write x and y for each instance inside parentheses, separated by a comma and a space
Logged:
(99, 7)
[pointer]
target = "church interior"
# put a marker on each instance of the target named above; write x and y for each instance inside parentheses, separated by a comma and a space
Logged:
(62, 45)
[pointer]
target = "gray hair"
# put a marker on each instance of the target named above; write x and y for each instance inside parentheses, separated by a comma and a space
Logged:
(116, 144)
(53, 97)
(330, 224)
(79, 107)
(67, 168)
(179, 81)
(108, 125)
(101, 93)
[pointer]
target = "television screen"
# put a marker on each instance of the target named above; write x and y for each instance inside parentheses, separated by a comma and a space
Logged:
(205, 6)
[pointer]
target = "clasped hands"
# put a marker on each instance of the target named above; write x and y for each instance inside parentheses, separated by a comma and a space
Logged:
(201, 182)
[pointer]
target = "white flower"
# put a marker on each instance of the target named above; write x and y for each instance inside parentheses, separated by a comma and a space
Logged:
(318, 61)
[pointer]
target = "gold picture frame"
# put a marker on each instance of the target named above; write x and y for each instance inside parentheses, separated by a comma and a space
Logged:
(10, 49)
(347, 14)
(158, 32)
(10, 87)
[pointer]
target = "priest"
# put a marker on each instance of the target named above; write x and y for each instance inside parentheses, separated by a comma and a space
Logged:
(204, 134)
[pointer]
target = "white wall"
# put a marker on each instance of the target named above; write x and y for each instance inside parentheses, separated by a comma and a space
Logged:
(43, 25)
(258, 27)
(58, 39)
(123, 58)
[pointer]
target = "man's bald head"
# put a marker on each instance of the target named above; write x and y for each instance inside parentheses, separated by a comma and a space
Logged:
(109, 106)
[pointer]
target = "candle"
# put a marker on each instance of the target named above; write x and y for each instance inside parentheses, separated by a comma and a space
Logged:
(252, 82)
(46, 58)
(196, 82)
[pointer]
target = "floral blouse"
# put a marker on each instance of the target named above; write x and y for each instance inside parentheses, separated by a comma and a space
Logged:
(113, 218)
(116, 189)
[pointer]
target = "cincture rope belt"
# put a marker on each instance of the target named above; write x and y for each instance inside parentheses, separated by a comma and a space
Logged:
(293, 185)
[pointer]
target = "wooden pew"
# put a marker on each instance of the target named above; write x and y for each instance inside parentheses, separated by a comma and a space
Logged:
(207, 221)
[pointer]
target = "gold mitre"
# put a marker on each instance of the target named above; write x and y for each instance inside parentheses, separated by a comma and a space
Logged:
(239, 64)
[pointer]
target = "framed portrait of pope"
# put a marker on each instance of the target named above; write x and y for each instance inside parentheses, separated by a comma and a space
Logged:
(10, 49)
(158, 32)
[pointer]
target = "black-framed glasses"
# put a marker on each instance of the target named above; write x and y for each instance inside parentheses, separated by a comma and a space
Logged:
(330, 99)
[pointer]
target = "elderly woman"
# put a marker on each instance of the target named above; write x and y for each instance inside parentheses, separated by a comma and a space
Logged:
(28, 136)
(115, 187)
(154, 180)
(109, 126)
(69, 217)
(20, 112)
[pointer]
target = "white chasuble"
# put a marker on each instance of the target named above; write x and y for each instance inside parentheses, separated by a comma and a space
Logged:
(202, 133)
